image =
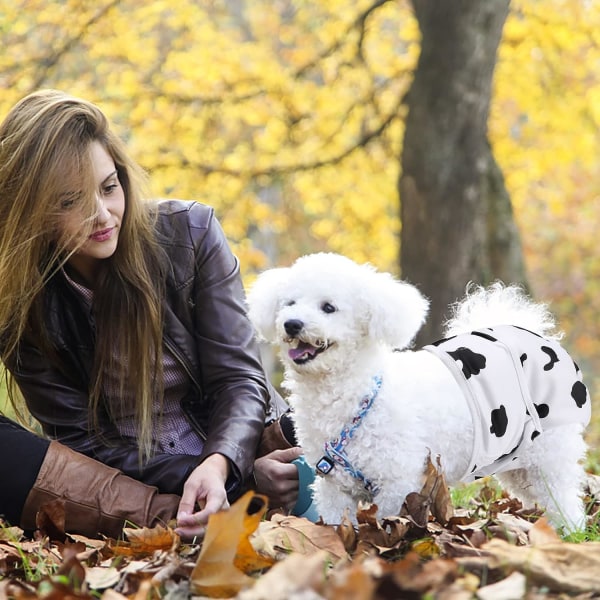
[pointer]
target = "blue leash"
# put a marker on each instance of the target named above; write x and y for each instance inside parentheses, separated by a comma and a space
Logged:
(335, 452)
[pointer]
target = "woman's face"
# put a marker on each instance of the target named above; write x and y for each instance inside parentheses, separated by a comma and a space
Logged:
(110, 200)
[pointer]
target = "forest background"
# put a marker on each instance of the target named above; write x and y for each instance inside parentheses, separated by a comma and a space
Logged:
(288, 117)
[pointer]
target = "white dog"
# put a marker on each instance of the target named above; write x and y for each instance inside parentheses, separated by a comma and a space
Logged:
(496, 397)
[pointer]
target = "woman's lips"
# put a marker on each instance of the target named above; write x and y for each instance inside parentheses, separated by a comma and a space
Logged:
(102, 235)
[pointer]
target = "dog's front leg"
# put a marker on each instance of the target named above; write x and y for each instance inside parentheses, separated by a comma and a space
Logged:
(332, 502)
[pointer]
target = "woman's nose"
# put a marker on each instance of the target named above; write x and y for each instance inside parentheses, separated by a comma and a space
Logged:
(102, 214)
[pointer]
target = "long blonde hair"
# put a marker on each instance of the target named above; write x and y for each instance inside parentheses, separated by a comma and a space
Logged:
(44, 141)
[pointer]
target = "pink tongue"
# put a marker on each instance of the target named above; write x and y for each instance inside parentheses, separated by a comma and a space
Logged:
(302, 349)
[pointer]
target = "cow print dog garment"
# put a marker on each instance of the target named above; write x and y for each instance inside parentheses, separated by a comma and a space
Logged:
(517, 384)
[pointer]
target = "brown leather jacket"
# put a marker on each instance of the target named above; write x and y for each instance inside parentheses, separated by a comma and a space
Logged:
(207, 330)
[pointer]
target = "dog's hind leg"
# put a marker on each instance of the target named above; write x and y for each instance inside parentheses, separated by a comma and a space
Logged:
(552, 476)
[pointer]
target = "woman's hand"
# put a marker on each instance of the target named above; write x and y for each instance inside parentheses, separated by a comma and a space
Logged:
(205, 487)
(277, 477)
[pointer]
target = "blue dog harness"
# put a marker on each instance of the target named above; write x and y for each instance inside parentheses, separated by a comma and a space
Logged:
(335, 452)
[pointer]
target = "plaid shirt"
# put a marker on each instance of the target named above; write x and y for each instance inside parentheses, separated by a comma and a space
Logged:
(172, 431)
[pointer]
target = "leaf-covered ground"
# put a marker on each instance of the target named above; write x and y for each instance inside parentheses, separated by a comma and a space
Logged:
(493, 550)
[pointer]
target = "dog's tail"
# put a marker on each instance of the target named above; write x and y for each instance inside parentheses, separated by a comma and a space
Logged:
(500, 304)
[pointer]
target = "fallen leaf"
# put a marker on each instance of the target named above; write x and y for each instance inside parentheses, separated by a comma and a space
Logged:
(72, 569)
(561, 567)
(100, 578)
(13, 534)
(293, 574)
(145, 540)
(366, 513)
(218, 573)
(346, 532)
(354, 581)
(511, 588)
(593, 484)
(426, 548)
(434, 497)
(542, 533)
(50, 519)
(411, 574)
(286, 534)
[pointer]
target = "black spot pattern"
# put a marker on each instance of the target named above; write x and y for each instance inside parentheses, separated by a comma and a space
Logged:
(472, 362)
(552, 358)
(482, 358)
(499, 420)
(579, 393)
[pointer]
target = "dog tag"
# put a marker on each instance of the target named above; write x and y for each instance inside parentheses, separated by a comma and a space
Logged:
(325, 465)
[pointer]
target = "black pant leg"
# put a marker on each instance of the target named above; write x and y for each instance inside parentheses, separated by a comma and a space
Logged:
(22, 455)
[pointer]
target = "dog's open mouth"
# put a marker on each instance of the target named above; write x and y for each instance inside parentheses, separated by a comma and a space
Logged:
(304, 352)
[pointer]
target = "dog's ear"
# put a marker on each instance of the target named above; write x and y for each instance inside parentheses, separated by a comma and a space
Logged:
(396, 309)
(263, 300)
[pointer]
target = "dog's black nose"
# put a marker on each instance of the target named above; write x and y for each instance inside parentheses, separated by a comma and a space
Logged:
(293, 326)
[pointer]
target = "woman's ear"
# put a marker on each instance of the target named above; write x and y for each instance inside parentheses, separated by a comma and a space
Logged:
(397, 310)
(263, 301)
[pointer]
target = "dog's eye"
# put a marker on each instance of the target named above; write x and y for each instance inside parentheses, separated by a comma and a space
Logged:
(290, 303)
(328, 308)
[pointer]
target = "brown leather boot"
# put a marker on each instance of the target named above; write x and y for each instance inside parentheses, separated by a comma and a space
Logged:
(98, 499)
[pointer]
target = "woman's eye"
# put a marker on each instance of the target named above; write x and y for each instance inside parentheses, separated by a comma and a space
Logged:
(68, 200)
(328, 308)
(109, 189)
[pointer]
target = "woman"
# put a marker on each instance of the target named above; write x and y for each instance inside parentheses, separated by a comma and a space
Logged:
(122, 322)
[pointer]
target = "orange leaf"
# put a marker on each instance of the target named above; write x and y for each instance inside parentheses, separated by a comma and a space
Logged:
(146, 540)
(227, 555)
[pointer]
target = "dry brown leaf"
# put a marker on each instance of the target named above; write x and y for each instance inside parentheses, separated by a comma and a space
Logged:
(542, 533)
(295, 573)
(283, 535)
(72, 569)
(346, 532)
(373, 534)
(418, 508)
(12, 534)
(218, 573)
(414, 575)
(442, 508)
(434, 497)
(367, 513)
(50, 519)
(353, 581)
(562, 567)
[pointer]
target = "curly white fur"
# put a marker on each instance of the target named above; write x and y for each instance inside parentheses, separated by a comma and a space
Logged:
(338, 324)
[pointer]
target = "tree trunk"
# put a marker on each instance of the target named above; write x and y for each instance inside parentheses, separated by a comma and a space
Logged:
(457, 221)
